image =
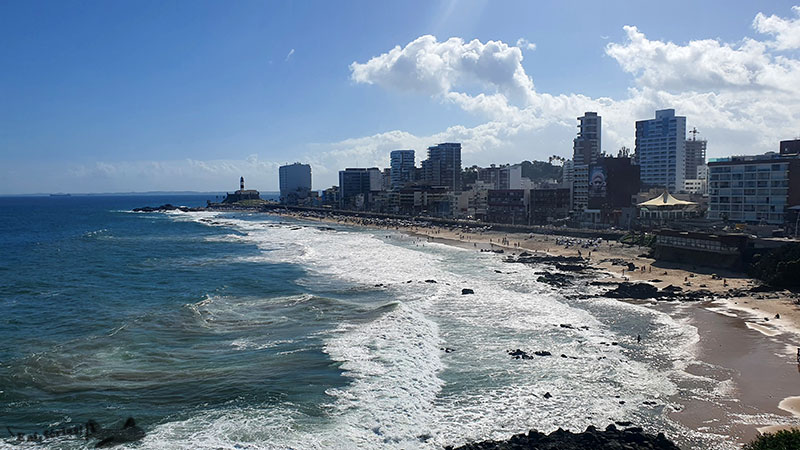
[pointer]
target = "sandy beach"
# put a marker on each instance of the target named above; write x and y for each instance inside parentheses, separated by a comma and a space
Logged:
(747, 340)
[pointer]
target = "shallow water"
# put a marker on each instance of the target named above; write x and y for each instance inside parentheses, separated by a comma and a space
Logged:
(252, 331)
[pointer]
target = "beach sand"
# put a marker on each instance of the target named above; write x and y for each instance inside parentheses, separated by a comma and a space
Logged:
(742, 345)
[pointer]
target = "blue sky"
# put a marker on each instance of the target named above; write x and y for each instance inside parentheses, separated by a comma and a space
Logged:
(138, 96)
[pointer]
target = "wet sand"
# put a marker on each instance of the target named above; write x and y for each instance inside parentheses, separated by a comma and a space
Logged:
(742, 345)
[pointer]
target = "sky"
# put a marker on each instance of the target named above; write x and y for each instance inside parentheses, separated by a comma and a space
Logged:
(136, 96)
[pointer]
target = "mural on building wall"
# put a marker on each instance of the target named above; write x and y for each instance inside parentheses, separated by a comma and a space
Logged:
(597, 182)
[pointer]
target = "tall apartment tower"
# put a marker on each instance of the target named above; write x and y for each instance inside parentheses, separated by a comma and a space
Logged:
(295, 181)
(585, 153)
(586, 147)
(695, 155)
(661, 150)
(402, 165)
(443, 166)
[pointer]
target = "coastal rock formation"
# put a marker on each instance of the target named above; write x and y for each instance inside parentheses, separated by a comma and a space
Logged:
(591, 439)
(129, 432)
(555, 279)
(166, 207)
(634, 290)
(467, 291)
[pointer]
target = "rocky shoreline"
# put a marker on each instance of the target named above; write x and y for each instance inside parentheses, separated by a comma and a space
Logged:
(566, 269)
(631, 438)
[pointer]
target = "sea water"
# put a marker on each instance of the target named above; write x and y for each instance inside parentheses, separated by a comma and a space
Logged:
(244, 330)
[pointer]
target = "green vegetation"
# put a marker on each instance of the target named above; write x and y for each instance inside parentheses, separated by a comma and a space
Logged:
(782, 440)
(640, 239)
(540, 171)
(778, 268)
(536, 171)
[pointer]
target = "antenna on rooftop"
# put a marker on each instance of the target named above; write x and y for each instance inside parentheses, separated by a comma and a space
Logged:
(694, 133)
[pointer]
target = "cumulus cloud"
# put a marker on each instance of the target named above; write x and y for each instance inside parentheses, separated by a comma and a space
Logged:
(786, 31)
(742, 95)
(527, 45)
(704, 64)
(436, 68)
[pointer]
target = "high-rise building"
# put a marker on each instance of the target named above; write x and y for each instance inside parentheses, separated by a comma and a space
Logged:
(695, 155)
(661, 150)
(586, 147)
(402, 165)
(295, 182)
(443, 166)
(355, 185)
(585, 153)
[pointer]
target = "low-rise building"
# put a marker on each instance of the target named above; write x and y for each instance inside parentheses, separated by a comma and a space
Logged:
(508, 206)
(548, 205)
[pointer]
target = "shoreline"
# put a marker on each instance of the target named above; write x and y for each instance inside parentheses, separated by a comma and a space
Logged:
(749, 338)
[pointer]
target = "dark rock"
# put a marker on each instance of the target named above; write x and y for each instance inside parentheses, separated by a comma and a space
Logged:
(166, 207)
(542, 353)
(633, 290)
(570, 267)
(128, 433)
(467, 291)
(603, 283)
(555, 279)
(547, 395)
(764, 288)
(591, 439)
(430, 281)
(519, 354)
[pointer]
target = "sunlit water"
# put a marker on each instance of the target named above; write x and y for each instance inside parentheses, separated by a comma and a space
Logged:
(243, 330)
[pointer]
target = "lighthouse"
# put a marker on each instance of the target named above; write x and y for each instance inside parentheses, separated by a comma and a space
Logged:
(241, 194)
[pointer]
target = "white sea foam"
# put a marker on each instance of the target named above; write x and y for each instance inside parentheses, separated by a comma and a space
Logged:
(404, 392)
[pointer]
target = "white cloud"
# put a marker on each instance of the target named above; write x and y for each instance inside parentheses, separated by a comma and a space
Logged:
(741, 95)
(436, 68)
(291, 52)
(524, 43)
(786, 31)
(706, 65)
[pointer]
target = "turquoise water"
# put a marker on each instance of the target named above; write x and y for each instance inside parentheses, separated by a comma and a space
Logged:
(251, 331)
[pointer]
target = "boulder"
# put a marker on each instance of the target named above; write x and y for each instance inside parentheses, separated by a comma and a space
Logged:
(634, 290)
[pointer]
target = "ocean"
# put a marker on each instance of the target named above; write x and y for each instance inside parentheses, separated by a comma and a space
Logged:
(251, 331)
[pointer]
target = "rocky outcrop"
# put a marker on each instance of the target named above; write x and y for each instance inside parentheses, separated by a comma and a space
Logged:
(632, 438)
(634, 290)
(555, 279)
(110, 437)
(166, 207)
(467, 291)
